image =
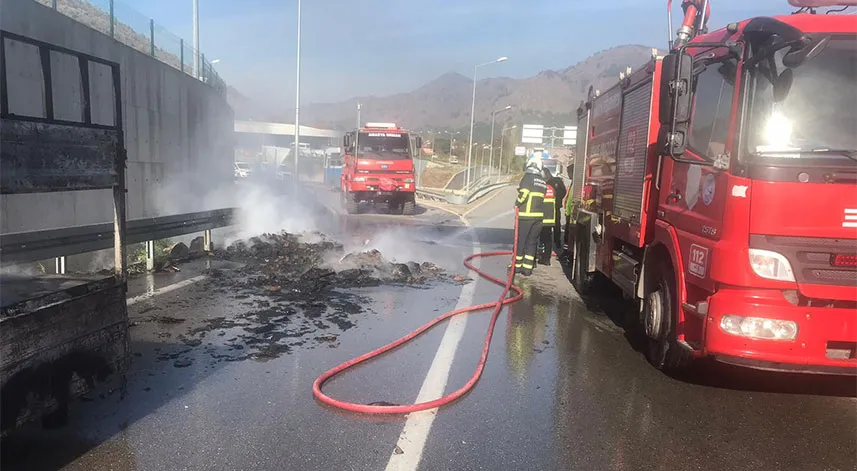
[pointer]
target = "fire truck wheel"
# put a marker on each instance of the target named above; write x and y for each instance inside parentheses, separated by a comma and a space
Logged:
(659, 321)
(396, 206)
(408, 207)
(351, 206)
(582, 280)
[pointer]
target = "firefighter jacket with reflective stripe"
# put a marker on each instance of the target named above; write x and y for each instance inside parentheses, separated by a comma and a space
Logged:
(549, 206)
(569, 201)
(531, 195)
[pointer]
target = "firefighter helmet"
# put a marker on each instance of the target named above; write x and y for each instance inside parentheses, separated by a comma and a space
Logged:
(534, 165)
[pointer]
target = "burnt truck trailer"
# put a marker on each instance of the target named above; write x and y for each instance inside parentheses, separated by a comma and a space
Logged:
(60, 335)
(719, 190)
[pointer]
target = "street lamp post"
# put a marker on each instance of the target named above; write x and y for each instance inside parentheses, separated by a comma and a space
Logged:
(482, 162)
(502, 139)
(451, 140)
(195, 38)
(469, 150)
(472, 112)
(491, 158)
(298, 99)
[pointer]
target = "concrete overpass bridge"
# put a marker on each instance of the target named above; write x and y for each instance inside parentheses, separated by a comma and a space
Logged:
(254, 134)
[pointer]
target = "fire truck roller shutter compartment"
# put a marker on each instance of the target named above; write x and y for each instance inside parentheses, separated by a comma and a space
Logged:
(633, 147)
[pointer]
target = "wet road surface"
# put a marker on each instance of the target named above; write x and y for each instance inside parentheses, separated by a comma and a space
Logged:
(564, 387)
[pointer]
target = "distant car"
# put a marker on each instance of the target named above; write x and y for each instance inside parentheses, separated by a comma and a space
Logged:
(453, 159)
(242, 170)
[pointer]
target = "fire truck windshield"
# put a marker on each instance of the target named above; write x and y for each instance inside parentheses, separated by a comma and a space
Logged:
(808, 111)
(384, 145)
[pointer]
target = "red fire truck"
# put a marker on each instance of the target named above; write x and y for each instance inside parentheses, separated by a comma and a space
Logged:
(717, 186)
(379, 168)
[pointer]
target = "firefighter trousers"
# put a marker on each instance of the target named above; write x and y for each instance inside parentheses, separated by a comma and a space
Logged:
(546, 244)
(528, 243)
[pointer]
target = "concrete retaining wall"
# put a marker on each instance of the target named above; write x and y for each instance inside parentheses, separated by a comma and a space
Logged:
(178, 130)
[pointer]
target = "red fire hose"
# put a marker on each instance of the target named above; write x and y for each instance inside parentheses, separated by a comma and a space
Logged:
(405, 409)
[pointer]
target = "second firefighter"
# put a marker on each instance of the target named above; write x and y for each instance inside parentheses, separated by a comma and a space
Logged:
(548, 221)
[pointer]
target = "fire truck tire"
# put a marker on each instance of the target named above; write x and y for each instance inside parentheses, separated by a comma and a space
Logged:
(659, 323)
(582, 280)
(351, 205)
(408, 207)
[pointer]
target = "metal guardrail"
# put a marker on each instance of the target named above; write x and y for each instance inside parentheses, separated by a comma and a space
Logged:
(458, 196)
(434, 195)
(20, 247)
(485, 190)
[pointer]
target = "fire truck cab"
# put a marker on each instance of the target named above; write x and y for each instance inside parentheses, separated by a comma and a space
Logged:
(717, 185)
(379, 168)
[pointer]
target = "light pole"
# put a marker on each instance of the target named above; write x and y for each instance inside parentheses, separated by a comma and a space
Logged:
(473, 111)
(298, 98)
(196, 38)
(359, 107)
(482, 161)
(491, 158)
(451, 140)
(467, 171)
(502, 139)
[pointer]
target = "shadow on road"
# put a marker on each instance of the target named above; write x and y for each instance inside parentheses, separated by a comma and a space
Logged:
(160, 373)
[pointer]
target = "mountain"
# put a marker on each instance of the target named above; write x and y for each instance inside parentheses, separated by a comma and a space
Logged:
(549, 98)
(245, 108)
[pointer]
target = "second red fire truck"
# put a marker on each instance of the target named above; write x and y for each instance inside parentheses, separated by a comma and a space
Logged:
(379, 168)
(717, 185)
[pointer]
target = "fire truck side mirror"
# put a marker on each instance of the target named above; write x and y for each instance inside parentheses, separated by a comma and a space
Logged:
(675, 103)
(675, 88)
(346, 141)
(418, 142)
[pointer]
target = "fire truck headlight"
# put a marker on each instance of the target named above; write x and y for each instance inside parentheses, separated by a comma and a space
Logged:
(771, 265)
(759, 327)
(408, 180)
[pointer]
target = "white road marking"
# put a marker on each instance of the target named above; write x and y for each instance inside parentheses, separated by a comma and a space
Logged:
(412, 440)
(165, 289)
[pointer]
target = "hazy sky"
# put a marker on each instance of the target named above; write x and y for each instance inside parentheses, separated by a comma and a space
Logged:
(372, 47)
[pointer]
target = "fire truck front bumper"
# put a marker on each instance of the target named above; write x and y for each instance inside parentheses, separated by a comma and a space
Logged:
(760, 328)
(371, 185)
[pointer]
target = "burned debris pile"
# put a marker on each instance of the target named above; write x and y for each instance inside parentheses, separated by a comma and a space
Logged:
(279, 292)
(285, 264)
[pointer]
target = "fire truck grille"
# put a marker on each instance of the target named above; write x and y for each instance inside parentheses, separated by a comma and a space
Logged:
(811, 257)
(848, 277)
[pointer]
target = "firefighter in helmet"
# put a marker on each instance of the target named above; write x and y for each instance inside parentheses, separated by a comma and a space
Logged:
(546, 234)
(530, 202)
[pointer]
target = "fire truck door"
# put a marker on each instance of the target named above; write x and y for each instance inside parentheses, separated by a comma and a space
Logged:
(693, 196)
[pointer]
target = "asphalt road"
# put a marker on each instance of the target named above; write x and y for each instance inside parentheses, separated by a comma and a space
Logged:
(564, 388)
